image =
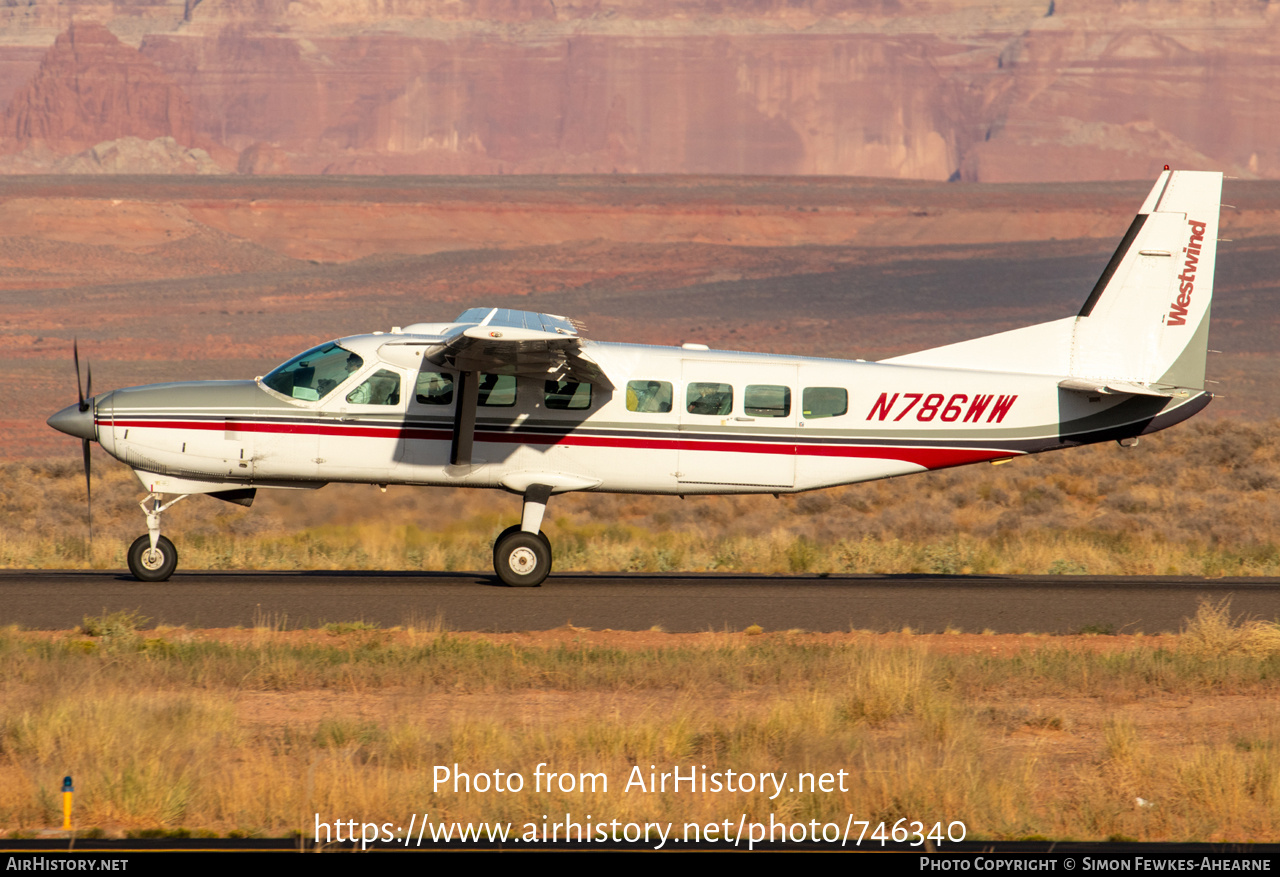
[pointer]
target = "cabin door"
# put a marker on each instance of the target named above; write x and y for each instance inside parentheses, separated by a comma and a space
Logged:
(738, 423)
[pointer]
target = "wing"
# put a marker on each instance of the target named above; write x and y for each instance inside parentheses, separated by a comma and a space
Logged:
(495, 341)
(501, 341)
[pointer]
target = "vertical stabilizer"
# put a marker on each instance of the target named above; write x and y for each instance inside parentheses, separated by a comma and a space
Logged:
(1147, 319)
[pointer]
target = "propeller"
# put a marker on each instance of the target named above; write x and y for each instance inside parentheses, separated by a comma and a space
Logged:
(84, 405)
(78, 420)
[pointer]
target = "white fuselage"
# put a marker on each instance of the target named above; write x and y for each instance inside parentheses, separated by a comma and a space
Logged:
(734, 423)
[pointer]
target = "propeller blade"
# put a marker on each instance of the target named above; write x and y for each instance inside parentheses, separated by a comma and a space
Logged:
(88, 489)
(84, 404)
(75, 355)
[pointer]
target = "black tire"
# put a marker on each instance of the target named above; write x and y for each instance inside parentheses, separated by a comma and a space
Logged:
(516, 529)
(521, 560)
(146, 569)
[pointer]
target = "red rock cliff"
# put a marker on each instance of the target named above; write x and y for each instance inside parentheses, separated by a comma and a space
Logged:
(970, 89)
(90, 87)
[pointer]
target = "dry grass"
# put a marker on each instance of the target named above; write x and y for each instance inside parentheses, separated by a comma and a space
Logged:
(1196, 500)
(1214, 634)
(163, 730)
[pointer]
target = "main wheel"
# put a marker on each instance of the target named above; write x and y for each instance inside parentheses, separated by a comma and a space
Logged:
(521, 560)
(152, 566)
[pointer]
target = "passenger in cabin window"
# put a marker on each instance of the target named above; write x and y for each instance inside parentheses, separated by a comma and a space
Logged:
(712, 399)
(497, 391)
(649, 397)
(488, 383)
(434, 388)
(652, 392)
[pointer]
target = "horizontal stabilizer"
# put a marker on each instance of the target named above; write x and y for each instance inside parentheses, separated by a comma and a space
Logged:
(1114, 388)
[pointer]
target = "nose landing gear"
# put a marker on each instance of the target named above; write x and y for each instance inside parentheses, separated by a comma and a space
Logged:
(152, 557)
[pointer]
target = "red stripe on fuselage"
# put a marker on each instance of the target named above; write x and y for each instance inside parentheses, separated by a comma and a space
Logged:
(416, 432)
(929, 458)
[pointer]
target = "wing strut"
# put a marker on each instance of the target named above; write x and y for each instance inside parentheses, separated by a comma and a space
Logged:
(464, 419)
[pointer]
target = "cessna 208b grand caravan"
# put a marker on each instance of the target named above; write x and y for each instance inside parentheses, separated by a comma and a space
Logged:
(521, 401)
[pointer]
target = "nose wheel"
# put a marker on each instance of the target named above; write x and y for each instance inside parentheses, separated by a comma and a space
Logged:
(152, 564)
(152, 557)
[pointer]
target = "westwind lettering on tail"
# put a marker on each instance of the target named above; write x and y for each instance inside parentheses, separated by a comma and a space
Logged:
(1178, 310)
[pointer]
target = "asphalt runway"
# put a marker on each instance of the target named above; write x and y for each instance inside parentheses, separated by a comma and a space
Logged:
(677, 603)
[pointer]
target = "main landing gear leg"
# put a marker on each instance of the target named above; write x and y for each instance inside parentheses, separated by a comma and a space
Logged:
(522, 555)
(152, 557)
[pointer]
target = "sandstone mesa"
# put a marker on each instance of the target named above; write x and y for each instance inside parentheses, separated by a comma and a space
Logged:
(951, 89)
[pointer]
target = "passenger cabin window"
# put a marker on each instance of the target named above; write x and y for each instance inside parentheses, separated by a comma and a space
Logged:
(433, 388)
(566, 395)
(825, 402)
(381, 388)
(707, 398)
(649, 397)
(497, 391)
(312, 375)
(766, 400)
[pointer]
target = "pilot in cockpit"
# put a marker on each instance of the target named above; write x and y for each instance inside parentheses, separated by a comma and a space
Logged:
(325, 385)
(361, 394)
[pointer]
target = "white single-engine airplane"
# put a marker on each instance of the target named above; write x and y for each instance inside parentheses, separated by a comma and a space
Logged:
(520, 401)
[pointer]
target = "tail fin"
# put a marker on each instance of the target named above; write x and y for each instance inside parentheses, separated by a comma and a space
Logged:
(1147, 319)
(1146, 323)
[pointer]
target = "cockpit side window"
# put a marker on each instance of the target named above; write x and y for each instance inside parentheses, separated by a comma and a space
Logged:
(312, 375)
(382, 388)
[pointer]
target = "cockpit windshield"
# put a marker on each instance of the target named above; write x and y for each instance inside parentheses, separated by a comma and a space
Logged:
(312, 375)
